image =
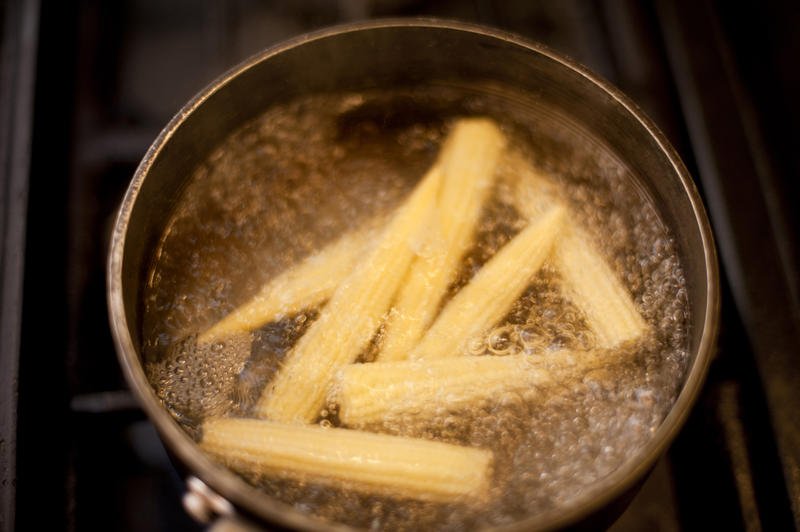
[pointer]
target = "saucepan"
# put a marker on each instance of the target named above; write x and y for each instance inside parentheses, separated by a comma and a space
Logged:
(405, 55)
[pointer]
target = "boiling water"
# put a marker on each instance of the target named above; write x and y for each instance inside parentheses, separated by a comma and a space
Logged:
(304, 173)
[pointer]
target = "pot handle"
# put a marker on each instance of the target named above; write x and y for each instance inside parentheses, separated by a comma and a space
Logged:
(233, 524)
(206, 506)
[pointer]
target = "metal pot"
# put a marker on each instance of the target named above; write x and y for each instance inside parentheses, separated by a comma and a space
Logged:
(381, 55)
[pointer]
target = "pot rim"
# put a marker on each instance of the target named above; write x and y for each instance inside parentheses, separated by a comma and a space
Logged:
(243, 495)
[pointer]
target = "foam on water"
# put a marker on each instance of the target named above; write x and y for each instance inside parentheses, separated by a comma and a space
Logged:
(302, 174)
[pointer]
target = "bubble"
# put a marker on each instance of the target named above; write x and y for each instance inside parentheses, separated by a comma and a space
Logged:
(476, 346)
(197, 380)
(500, 341)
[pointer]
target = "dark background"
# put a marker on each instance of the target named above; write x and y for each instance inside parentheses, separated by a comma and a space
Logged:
(87, 86)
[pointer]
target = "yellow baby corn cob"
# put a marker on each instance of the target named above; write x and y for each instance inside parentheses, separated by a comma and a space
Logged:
(490, 294)
(399, 466)
(305, 285)
(594, 288)
(350, 319)
(530, 190)
(467, 160)
(588, 281)
(370, 392)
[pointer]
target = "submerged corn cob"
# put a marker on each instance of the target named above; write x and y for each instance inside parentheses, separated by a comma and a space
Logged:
(490, 294)
(528, 189)
(368, 393)
(588, 281)
(350, 319)
(467, 160)
(403, 467)
(594, 288)
(304, 285)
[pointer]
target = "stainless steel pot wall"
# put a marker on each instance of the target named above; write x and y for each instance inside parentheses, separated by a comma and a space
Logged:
(384, 55)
